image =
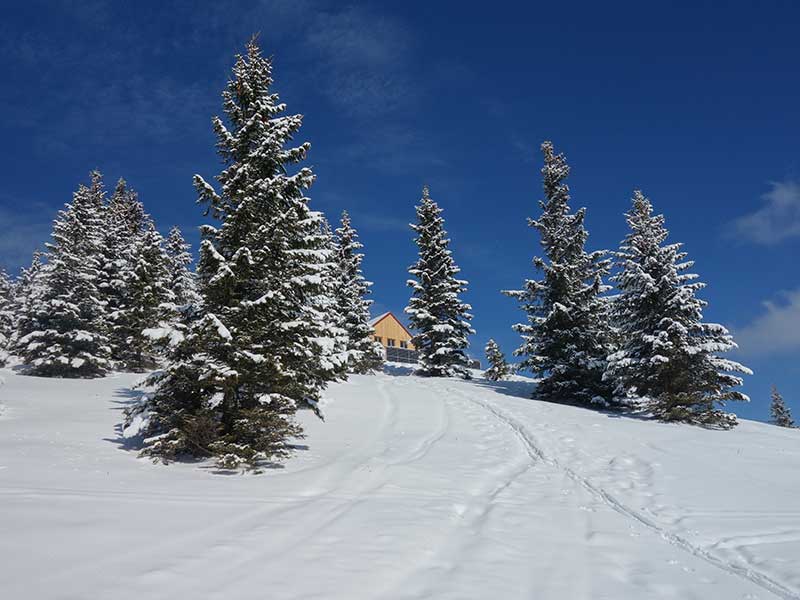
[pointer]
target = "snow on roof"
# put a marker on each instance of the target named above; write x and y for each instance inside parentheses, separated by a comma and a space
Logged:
(374, 320)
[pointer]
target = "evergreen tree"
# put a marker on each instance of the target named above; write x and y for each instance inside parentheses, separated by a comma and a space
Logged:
(181, 280)
(498, 367)
(567, 336)
(781, 415)
(263, 346)
(146, 294)
(6, 315)
(124, 223)
(28, 292)
(436, 314)
(67, 321)
(329, 309)
(365, 355)
(668, 356)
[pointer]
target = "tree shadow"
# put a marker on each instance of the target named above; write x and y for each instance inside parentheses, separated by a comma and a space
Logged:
(508, 387)
(125, 398)
(525, 389)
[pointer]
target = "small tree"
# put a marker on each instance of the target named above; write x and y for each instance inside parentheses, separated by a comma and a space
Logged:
(498, 367)
(182, 281)
(67, 322)
(365, 355)
(668, 355)
(436, 314)
(6, 315)
(781, 415)
(568, 335)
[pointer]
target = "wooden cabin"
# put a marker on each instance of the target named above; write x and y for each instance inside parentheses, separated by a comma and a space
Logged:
(390, 332)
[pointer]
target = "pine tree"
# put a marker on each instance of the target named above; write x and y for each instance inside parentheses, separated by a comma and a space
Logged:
(146, 294)
(67, 322)
(438, 317)
(567, 336)
(365, 355)
(331, 313)
(6, 315)
(181, 280)
(124, 223)
(262, 346)
(668, 356)
(28, 292)
(498, 367)
(781, 415)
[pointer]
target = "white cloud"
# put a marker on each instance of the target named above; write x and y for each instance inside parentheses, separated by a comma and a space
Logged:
(777, 220)
(775, 331)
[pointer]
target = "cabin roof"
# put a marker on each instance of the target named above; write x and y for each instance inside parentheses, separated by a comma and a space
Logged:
(374, 321)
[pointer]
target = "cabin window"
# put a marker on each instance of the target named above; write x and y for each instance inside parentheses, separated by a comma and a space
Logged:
(390, 342)
(404, 344)
(378, 339)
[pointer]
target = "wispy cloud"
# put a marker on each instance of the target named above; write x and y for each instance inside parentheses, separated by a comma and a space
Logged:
(777, 220)
(362, 59)
(775, 331)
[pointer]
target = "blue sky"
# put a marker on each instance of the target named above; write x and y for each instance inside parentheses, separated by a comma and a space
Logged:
(697, 105)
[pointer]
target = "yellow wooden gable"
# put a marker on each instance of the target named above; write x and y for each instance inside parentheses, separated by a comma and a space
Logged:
(390, 332)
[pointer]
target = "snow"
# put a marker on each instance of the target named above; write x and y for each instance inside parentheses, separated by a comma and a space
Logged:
(412, 488)
(373, 321)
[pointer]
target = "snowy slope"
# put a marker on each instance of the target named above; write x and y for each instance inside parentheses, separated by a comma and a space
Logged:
(413, 488)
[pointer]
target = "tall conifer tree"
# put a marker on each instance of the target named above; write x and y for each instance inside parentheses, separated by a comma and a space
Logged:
(67, 336)
(668, 355)
(567, 336)
(263, 346)
(146, 293)
(438, 317)
(364, 353)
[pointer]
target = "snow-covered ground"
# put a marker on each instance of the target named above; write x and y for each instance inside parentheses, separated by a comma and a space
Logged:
(413, 488)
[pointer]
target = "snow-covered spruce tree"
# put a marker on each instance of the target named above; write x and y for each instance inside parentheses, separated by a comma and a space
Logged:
(262, 346)
(438, 317)
(181, 280)
(568, 335)
(365, 355)
(147, 292)
(326, 304)
(668, 356)
(123, 223)
(780, 413)
(28, 291)
(6, 315)
(498, 367)
(67, 325)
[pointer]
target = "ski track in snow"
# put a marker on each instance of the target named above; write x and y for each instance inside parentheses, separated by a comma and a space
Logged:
(752, 575)
(414, 489)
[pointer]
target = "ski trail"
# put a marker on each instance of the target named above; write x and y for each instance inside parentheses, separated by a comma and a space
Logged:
(468, 514)
(309, 518)
(528, 439)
